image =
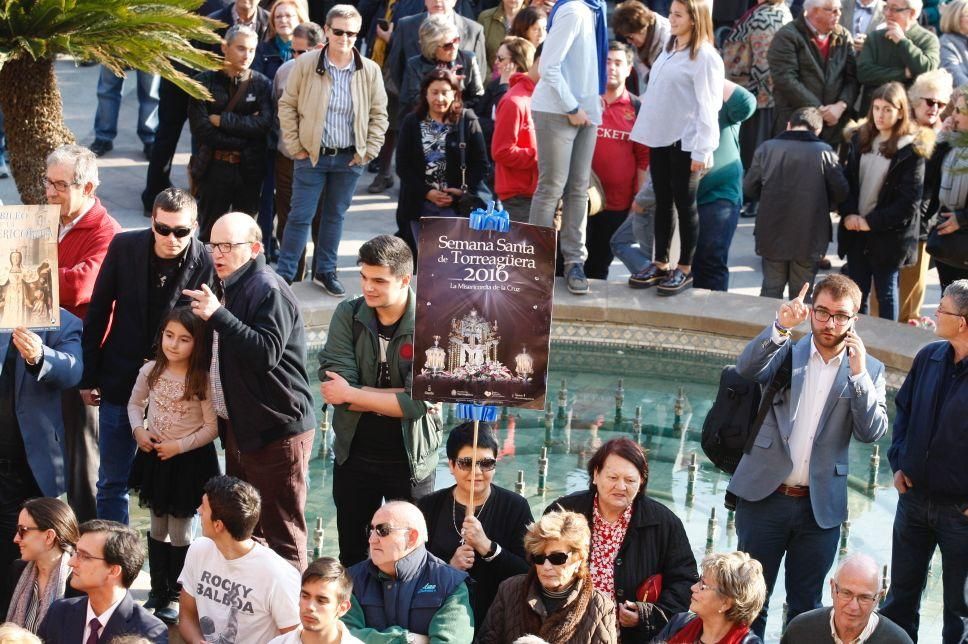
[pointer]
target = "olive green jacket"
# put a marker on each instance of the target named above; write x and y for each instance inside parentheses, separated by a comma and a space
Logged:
(356, 358)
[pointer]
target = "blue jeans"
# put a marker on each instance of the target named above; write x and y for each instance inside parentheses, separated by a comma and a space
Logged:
(109, 89)
(717, 223)
(920, 525)
(118, 449)
(335, 179)
(885, 281)
(781, 524)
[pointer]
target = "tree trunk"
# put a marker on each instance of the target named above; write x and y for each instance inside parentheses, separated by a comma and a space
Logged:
(33, 121)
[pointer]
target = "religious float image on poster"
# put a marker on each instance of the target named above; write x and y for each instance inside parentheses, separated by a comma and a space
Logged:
(28, 267)
(483, 319)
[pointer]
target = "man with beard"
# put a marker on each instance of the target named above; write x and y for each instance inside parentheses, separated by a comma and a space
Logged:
(792, 486)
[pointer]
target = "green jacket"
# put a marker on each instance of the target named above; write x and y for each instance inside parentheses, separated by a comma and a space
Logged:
(357, 360)
(492, 20)
(882, 61)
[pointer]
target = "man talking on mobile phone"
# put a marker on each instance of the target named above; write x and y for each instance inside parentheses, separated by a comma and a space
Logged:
(792, 486)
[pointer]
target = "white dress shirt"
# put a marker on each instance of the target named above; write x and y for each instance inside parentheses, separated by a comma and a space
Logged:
(817, 381)
(103, 618)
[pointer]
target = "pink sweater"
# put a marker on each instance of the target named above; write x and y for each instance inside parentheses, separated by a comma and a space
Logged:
(192, 423)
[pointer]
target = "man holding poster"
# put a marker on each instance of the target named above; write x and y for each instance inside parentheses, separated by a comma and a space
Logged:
(386, 442)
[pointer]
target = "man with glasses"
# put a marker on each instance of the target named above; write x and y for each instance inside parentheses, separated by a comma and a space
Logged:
(386, 442)
(106, 561)
(792, 486)
(900, 51)
(140, 282)
(812, 64)
(332, 118)
(234, 589)
(855, 589)
(402, 593)
(260, 386)
(928, 455)
(86, 230)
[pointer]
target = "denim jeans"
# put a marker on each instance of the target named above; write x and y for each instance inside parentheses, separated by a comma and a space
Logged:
(333, 178)
(885, 281)
(920, 525)
(782, 524)
(717, 223)
(638, 228)
(118, 449)
(564, 168)
(109, 89)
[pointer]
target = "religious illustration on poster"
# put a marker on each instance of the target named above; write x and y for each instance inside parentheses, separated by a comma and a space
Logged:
(28, 267)
(483, 320)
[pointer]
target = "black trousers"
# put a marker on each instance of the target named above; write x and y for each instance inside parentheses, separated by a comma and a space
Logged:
(360, 486)
(81, 454)
(675, 185)
(17, 484)
(172, 114)
(225, 189)
(948, 274)
(598, 241)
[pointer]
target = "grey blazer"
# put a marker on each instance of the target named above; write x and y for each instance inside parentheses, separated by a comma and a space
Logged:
(405, 44)
(847, 16)
(855, 408)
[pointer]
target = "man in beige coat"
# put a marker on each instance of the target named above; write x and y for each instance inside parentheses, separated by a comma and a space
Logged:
(332, 118)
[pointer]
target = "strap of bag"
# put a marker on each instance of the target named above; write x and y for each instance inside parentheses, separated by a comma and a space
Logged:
(463, 154)
(780, 380)
(239, 93)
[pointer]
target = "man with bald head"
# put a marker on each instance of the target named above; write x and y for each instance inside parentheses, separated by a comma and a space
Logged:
(856, 590)
(395, 590)
(260, 387)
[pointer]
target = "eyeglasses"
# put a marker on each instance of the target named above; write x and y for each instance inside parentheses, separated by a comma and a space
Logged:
(177, 231)
(502, 59)
(704, 586)
(22, 530)
(556, 558)
(84, 556)
(955, 315)
(59, 186)
(339, 33)
(933, 102)
(382, 529)
(298, 52)
(450, 46)
(224, 247)
(823, 316)
(847, 596)
(486, 464)
(892, 9)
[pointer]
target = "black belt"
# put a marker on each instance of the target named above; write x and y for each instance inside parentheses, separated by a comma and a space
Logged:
(332, 152)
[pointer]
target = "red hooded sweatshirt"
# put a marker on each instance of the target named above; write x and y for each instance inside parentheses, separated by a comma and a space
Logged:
(80, 255)
(513, 146)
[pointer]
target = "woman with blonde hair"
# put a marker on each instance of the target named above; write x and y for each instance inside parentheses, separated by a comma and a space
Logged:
(954, 40)
(727, 598)
(556, 599)
(276, 48)
(10, 633)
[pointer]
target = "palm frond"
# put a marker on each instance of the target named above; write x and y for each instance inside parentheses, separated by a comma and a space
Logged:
(150, 35)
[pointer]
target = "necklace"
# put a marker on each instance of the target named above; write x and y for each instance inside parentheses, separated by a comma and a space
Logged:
(477, 514)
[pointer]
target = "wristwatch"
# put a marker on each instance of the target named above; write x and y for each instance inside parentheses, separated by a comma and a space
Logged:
(493, 552)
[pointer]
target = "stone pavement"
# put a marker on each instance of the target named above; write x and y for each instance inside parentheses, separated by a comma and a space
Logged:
(123, 172)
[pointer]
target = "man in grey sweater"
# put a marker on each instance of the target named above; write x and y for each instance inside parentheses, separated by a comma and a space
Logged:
(856, 589)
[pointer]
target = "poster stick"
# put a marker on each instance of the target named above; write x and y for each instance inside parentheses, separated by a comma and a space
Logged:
(470, 503)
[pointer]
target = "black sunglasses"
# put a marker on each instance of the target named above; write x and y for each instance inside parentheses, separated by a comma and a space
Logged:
(556, 558)
(486, 464)
(339, 33)
(178, 231)
(933, 102)
(382, 529)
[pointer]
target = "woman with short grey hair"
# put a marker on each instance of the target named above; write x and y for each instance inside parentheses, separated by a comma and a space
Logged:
(440, 49)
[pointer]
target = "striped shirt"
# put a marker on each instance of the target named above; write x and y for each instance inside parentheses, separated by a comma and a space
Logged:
(338, 129)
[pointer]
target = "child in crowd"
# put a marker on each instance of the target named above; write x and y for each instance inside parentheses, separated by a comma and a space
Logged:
(176, 451)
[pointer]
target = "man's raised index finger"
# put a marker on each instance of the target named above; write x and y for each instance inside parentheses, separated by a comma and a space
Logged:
(803, 291)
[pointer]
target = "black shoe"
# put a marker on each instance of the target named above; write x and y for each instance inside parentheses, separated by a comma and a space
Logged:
(147, 150)
(676, 283)
(373, 167)
(381, 183)
(823, 264)
(648, 277)
(100, 147)
(749, 209)
(168, 613)
(329, 283)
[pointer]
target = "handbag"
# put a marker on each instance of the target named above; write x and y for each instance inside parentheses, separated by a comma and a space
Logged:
(467, 202)
(950, 249)
(199, 162)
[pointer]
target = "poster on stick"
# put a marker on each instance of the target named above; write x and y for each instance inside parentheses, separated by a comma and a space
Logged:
(483, 320)
(28, 267)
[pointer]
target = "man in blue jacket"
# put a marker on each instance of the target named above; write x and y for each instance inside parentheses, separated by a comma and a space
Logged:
(34, 369)
(928, 453)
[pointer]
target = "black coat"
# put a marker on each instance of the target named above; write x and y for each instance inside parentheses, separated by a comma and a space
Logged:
(465, 66)
(225, 15)
(892, 241)
(121, 290)
(655, 543)
(268, 60)
(245, 129)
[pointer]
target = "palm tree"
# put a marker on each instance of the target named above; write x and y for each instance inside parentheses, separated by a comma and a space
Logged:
(140, 34)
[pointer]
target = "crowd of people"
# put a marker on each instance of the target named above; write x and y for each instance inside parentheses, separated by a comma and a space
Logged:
(188, 332)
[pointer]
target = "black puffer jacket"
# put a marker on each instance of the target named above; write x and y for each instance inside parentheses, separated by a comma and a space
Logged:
(655, 543)
(245, 129)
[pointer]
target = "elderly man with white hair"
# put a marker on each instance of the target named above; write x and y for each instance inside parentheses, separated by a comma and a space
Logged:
(900, 51)
(855, 589)
(402, 591)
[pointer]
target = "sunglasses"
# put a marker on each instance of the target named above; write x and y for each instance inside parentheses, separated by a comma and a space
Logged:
(556, 558)
(933, 102)
(22, 530)
(339, 33)
(486, 464)
(178, 231)
(382, 529)
(452, 45)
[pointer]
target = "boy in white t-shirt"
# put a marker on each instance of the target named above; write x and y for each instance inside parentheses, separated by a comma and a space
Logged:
(325, 597)
(234, 590)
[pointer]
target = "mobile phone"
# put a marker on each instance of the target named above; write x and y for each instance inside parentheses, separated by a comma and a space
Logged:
(850, 329)
(383, 24)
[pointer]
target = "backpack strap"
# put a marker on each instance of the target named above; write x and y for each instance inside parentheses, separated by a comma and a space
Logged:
(781, 380)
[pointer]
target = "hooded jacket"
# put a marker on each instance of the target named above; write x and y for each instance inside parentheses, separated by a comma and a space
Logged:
(514, 147)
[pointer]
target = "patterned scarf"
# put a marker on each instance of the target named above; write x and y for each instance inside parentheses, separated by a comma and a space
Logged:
(25, 608)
